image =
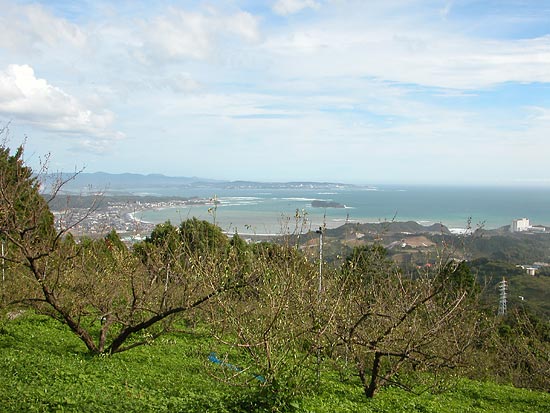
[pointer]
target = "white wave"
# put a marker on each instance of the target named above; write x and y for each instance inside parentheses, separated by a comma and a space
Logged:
(134, 218)
(461, 231)
(242, 198)
(299, 199)
(256, 234)
(236, 204)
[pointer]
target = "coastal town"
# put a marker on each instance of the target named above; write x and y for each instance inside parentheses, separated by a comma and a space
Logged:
(97, 216)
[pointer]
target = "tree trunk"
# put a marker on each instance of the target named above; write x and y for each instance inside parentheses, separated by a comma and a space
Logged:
(50, 298)
(373, 385)
(116, 345)
(76, 328)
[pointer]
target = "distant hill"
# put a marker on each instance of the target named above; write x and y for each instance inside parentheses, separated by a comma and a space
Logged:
(408, 227)
(127, 182)
(106, 182)
(283, 185)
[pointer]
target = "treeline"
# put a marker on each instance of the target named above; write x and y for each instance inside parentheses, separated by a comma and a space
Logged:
(518, 249)
(286, 318)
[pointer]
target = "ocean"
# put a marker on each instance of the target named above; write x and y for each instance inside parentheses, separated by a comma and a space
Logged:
(273, 211)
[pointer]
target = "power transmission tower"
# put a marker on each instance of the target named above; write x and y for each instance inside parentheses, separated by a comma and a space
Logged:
(503, 288)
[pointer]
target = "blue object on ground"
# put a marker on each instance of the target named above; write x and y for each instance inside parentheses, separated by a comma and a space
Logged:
(213, 357)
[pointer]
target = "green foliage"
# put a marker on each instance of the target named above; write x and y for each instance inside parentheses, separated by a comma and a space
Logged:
(163, 233)
(266, 304)
(25, 218)
(525, 291)
(238, 244)
(201, 236)
(270, 322)
(518, 249)
(193, 238)
(44, 368)
(26, 228)
(366, 262)
(488, 270)
(458, 276)
(111, 298)
(389, 322)
(21, 205)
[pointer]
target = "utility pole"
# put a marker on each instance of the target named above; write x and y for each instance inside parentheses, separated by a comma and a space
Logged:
(502, 303)
(319, 291)
(320, 232)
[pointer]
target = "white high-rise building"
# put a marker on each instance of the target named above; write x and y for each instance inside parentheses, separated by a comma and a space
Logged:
(521, 224)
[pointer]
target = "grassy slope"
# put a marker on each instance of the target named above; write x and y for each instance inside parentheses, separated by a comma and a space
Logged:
(43, 367)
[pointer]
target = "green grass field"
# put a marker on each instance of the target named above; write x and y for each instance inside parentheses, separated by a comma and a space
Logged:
(44, 368)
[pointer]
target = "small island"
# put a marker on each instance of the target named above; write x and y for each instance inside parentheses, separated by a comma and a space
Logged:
(326, 204)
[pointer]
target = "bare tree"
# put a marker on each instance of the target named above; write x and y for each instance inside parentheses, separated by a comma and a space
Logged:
(272, 324)
(387, 321)
(516, 350)
(112, 298)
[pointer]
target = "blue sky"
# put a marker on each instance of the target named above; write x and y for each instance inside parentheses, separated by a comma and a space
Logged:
(394, 91)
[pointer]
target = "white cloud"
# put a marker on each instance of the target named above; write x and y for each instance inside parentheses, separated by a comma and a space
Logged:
(93, 146)
(180, 34)
(243, 24)
(181, 83)
(423, 57)
(352, 79)
(540, 113)
(27, 98)
(286, 7)
(25, 28)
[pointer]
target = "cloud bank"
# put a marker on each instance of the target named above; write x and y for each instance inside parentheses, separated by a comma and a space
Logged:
(25, 97)
(310, 83)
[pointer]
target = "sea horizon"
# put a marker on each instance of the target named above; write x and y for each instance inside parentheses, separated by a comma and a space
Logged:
(274, 211)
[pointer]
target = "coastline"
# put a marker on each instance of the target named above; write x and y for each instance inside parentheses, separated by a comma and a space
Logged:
(229, 227)
(285, 211)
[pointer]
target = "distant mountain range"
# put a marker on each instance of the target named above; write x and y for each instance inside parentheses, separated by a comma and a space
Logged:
(127, 180)
(106, 182)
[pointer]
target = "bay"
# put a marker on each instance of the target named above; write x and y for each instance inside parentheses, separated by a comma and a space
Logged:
(276, 211)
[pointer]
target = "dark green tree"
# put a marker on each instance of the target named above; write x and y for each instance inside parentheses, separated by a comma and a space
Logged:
(34, 246)
(458, 275)
(25, 219)
(112, 298)
(201, 236)
(366, 262)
